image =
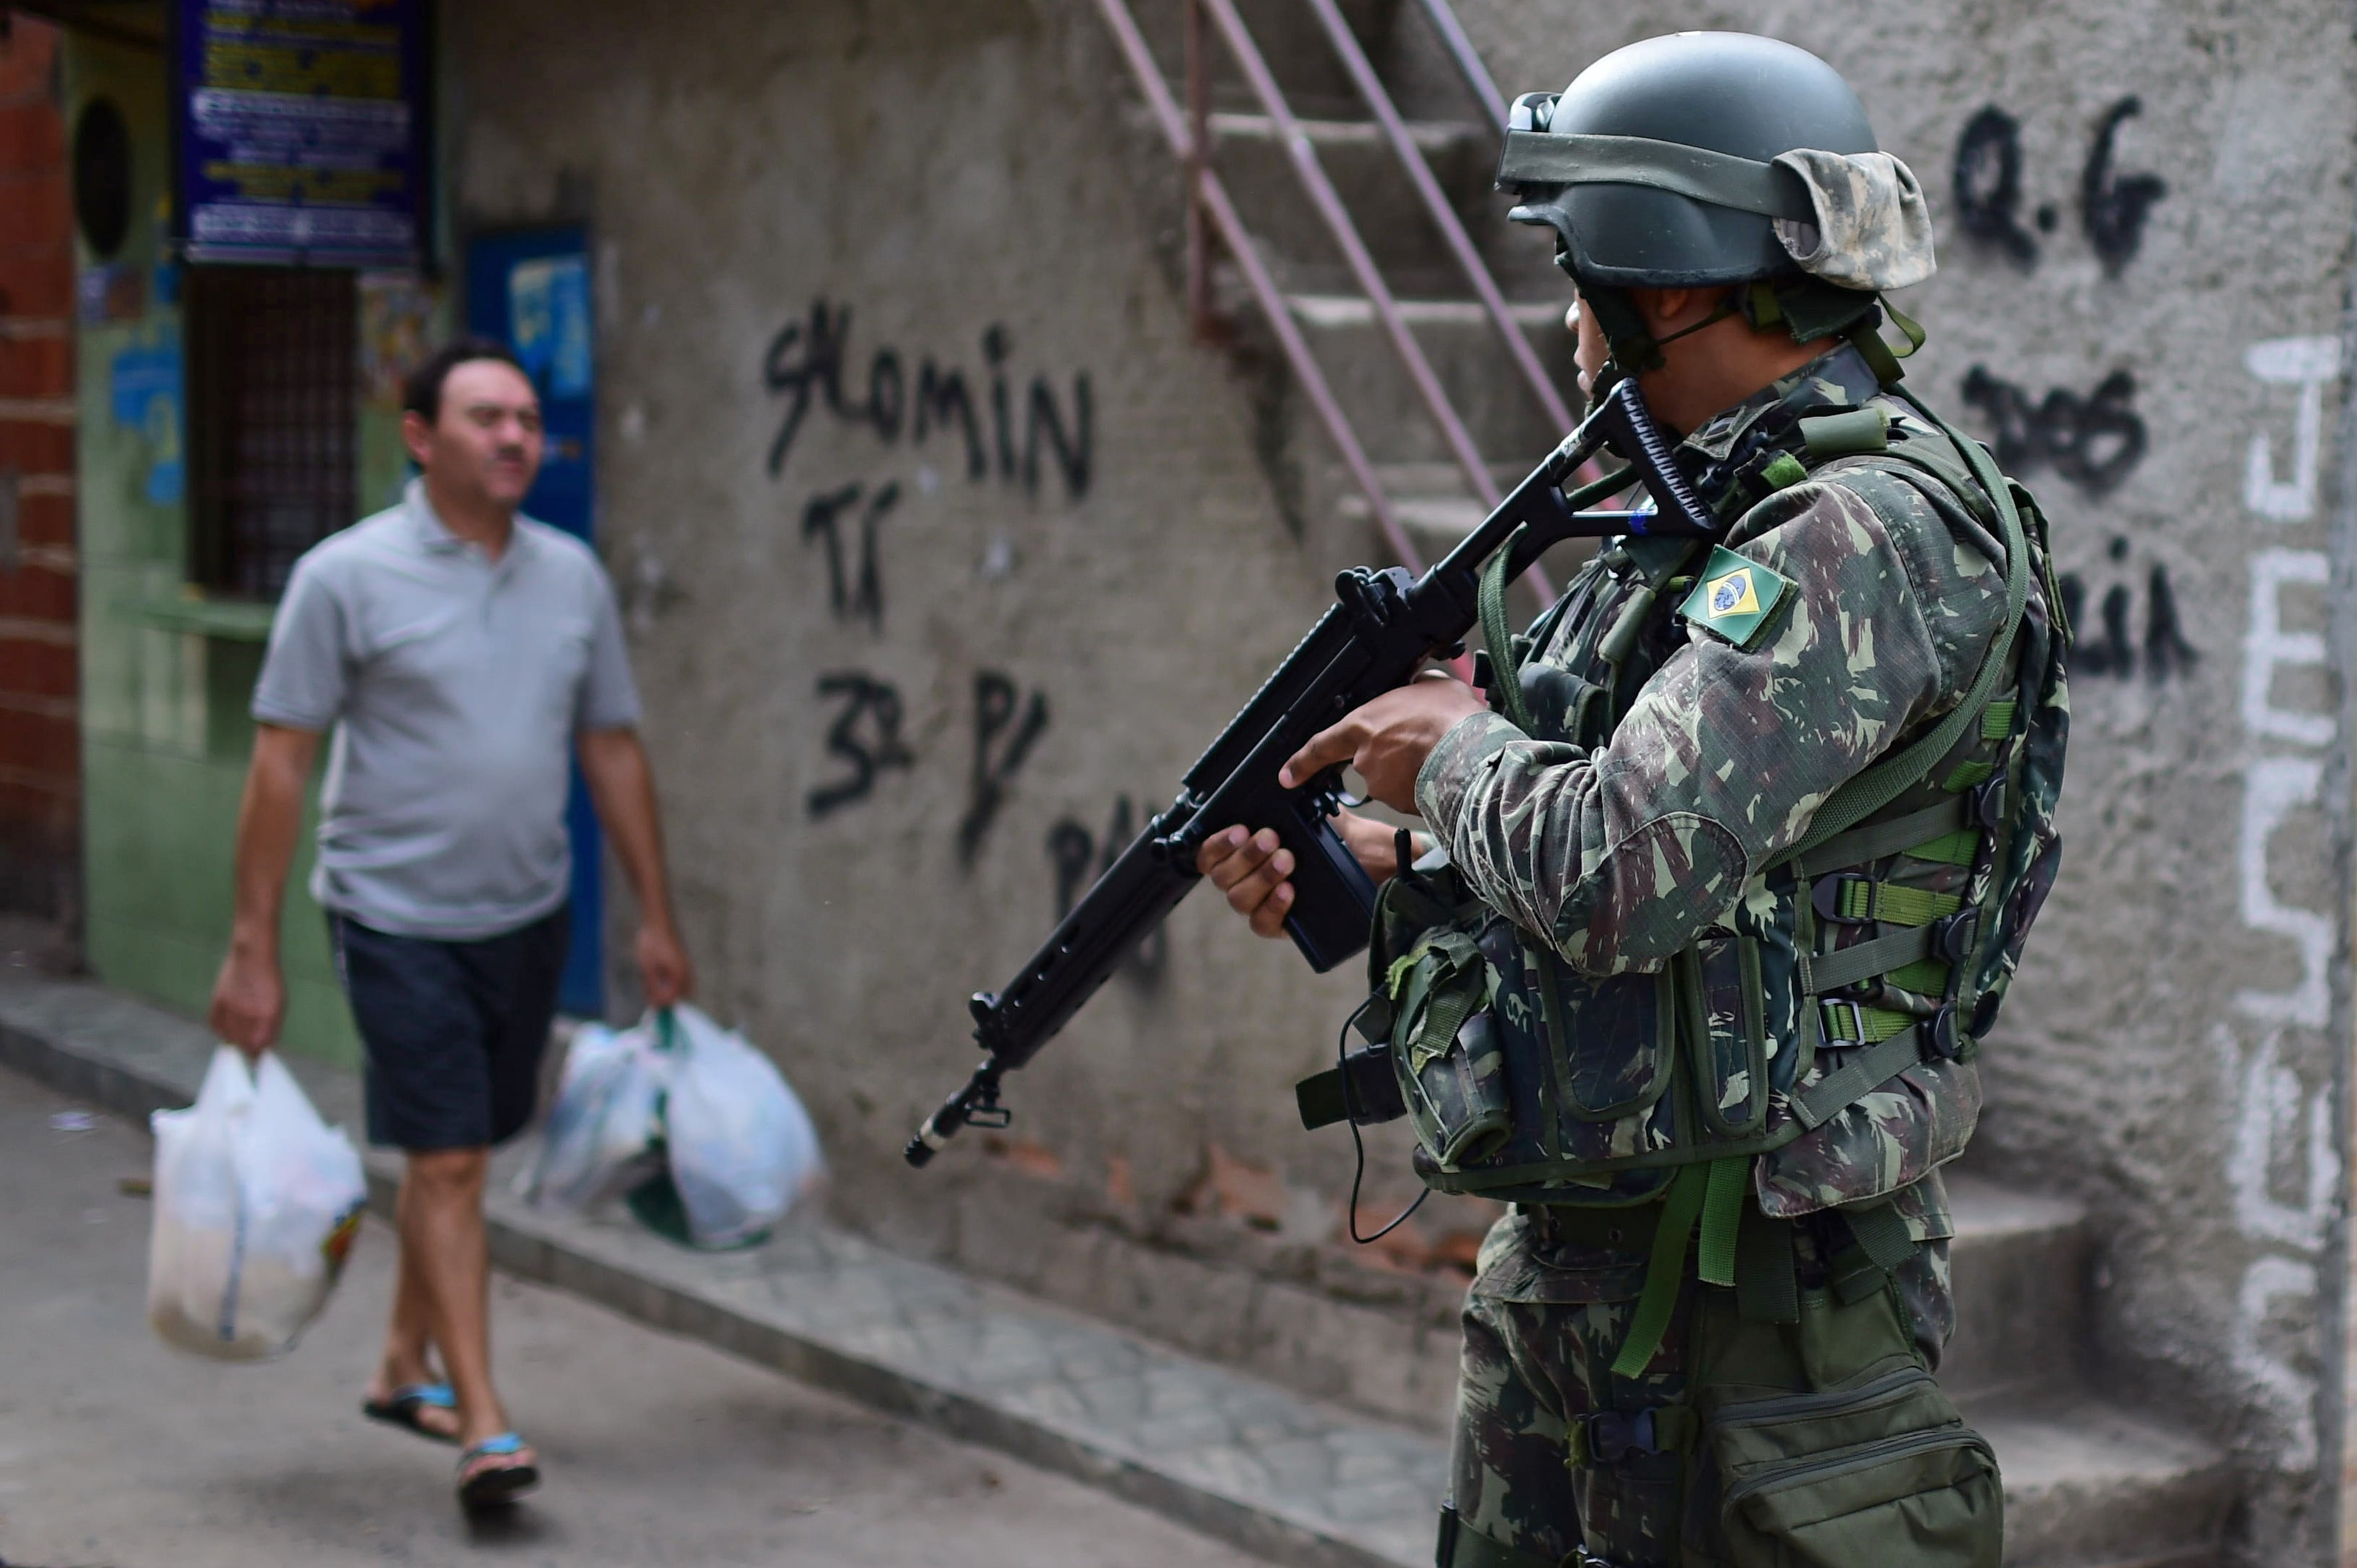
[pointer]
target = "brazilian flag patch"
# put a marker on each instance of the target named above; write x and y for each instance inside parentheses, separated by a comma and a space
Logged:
(1734, 597)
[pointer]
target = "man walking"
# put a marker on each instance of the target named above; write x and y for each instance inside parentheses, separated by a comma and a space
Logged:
(459, 652)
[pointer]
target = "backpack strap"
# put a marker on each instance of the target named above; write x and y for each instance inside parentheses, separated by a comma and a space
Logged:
(1868, 793)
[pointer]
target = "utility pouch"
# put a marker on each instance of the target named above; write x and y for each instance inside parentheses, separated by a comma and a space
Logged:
(1844, 1453)
(1445, 1048)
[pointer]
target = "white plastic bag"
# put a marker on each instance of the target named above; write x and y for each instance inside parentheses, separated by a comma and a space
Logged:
(741, 1147)
(257, 1201)
(606, 1123)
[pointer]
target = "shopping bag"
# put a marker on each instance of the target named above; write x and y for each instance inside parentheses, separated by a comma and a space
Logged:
(739, 1145)
(257, 1204)
(605, 1127)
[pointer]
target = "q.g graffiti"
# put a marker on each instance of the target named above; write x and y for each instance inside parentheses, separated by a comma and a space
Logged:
(1015, 440)
(2113, 206)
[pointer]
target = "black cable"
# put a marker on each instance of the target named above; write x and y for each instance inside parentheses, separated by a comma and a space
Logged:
(1357, 1144)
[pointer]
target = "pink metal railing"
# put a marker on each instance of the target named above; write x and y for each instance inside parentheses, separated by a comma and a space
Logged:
(1189, 142)
(1210, 216)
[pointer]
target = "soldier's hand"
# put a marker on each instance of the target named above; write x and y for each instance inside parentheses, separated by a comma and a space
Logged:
(1388, 739)
(1251, 869)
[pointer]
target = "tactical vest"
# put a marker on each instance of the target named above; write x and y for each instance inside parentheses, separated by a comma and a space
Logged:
(1883, 941)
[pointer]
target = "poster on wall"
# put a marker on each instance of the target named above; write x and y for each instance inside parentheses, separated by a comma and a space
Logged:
(302, 131)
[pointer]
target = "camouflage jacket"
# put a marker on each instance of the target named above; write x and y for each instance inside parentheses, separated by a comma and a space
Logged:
(1619, 855)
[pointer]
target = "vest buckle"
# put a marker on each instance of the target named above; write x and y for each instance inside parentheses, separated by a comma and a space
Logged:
(1988, 803)
(1824, 896)
(1954, 936)
(1610, 1436)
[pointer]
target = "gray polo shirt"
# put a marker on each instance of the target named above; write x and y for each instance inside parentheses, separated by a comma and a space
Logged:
(454, 684)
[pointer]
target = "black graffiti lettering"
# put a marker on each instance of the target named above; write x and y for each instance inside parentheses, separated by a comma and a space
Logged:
(819, 365)
(995, 345)
(888, 394)
(1072, 854)
(1001, 741)
(1073, 453)
(2093, 441)
(1076, 856)
(2109, 648)
(2166, 651)
(1988, 183)
(865, 754)
(852, 590)
(942, 397)
(2113, 205)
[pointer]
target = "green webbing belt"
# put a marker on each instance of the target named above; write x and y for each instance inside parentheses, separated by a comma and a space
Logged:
(1854, 1024)
(1714, 1194)
(1869, 791)
(1892, 904)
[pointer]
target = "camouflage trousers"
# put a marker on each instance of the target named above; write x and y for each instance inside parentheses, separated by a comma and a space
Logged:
(1543, 1320)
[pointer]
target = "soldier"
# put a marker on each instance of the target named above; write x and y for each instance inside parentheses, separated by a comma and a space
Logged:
(1726, 875)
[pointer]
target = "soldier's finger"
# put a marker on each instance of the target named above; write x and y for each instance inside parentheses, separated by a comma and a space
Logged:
(1268, 920)
(1243, 861)
(1327, 747)
(1218, 848)
(1247, 895)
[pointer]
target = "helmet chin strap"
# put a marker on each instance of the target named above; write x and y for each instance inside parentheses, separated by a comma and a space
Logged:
(1633, 349)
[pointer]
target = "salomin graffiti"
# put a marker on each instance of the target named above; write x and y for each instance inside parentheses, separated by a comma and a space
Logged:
(804, 367)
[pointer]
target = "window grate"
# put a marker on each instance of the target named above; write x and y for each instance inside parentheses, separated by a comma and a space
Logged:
(273, 374)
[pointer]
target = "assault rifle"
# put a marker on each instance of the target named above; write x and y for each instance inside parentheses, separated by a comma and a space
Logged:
(1383, 627)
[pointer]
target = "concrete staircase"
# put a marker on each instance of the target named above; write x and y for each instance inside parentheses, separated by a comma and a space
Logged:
(2090, 1483)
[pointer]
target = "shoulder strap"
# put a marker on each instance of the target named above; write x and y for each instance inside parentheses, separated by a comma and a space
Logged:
(1868, 793)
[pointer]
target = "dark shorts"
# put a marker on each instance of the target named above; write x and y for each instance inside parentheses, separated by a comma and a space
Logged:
(453, 1031)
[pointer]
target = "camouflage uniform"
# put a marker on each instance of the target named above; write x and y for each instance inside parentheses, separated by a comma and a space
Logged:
(1620, 856)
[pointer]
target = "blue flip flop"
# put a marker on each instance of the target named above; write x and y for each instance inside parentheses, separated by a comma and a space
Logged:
(500, 1484)
(402, 1409)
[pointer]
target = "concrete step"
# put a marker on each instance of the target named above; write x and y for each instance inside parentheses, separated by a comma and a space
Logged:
(2019, 1262)
(1391, 219)
(1501, 411)
(2088, 1485)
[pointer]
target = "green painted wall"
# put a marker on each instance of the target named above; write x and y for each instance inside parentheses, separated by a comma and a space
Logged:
(167, 677)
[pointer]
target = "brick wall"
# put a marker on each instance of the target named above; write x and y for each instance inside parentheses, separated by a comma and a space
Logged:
(40, 741)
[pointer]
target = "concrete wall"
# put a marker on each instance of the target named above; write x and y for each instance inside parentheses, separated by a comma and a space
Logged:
(842, 629)
(864, 813)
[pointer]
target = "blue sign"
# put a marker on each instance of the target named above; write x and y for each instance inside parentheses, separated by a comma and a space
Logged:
(302, 131)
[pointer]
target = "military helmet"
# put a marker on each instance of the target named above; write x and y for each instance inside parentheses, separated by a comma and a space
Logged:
(1654, 214)
(1704, 159)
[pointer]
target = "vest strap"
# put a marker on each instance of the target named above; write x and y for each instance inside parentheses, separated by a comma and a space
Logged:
(1864, 1071)
(1848, 1023)
(1712, 1193)
(1767, 1272)
(1828, 974)
(1869, 791)
(1877, 841)
(1849, 900)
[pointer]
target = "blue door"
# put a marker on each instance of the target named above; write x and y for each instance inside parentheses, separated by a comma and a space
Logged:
(531, 290)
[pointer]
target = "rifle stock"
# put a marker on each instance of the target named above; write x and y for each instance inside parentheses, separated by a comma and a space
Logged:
(1382, 628)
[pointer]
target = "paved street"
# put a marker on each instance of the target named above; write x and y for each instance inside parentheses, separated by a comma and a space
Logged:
(116, 1450)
